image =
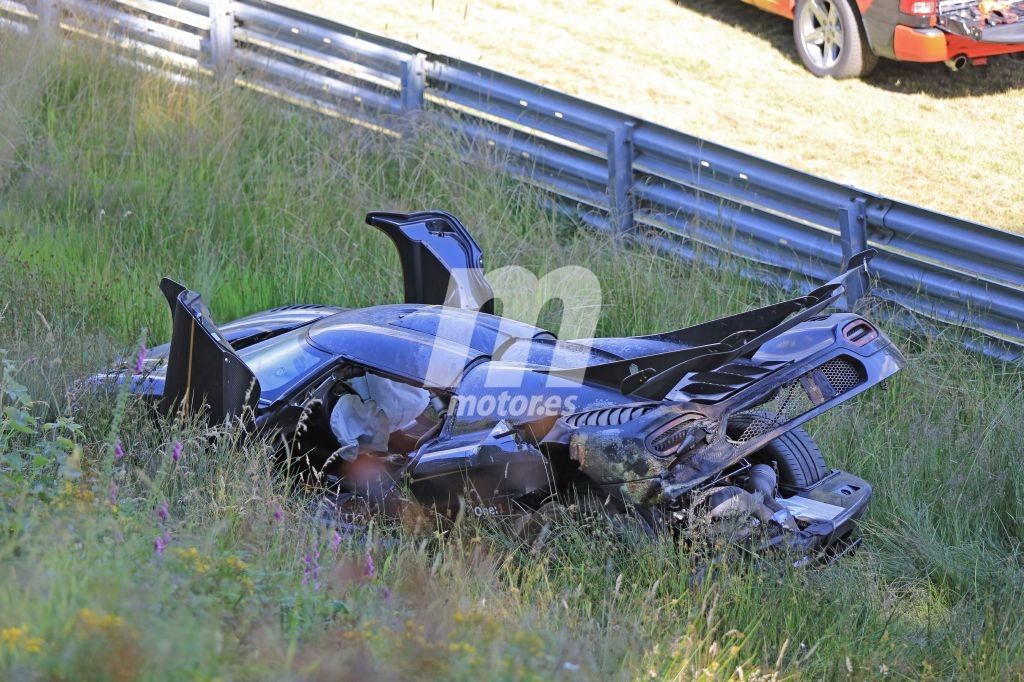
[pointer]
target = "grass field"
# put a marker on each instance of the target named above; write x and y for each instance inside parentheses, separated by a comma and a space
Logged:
(729, 73)
(148, 566)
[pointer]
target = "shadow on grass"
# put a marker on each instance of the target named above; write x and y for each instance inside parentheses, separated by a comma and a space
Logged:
(1003, 74)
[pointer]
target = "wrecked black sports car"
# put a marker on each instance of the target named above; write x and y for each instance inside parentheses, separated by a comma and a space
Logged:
(469, 412)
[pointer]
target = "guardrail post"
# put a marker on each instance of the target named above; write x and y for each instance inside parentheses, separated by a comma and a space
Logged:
(853, 234)
(222, 41)
(48, 13)
(620, 178)
(414, 82)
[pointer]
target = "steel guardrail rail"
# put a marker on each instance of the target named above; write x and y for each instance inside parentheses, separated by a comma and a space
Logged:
(616, 172)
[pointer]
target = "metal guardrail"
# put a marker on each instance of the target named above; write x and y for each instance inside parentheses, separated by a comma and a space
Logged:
(617, 172)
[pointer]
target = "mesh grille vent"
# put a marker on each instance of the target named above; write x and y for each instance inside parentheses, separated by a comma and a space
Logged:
(841, 375)
(792, 400)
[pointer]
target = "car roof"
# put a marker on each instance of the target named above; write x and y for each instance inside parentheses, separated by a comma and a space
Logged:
(428, 344)
(434, 345)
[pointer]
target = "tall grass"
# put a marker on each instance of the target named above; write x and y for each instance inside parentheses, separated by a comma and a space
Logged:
(147, 567)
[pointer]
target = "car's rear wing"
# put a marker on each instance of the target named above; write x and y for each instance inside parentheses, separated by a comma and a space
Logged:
(441, 262)
(204, 374)
(715, 343)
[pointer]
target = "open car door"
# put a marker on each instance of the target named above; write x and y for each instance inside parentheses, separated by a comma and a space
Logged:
(203, 372)
(441, 263)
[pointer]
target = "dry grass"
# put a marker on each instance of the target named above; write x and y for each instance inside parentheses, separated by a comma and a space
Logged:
(729, 73)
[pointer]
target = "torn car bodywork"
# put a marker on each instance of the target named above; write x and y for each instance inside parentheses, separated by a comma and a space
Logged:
(668, 422)
(662, 454)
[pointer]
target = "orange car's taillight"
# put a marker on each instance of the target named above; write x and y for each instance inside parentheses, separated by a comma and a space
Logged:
(919, 8)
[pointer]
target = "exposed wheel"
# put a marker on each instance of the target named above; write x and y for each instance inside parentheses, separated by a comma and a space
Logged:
(795, 453)
(830, 39)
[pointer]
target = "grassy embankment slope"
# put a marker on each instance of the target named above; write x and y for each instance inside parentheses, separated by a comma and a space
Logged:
(112, 178)
(729, 73)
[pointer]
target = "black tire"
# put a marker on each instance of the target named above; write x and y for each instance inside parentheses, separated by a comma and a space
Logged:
(795, 453)
(844, 51)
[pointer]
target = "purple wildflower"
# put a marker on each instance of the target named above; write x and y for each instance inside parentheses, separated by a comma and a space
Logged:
(162, 512)
(335, 541)
(371, 569)
(140, 361)
(118, 451)
(311, 569)
(278, 513)
(176, 452)
(160, 544)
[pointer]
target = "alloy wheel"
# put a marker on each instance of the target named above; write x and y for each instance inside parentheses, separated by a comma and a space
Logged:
(821, 30)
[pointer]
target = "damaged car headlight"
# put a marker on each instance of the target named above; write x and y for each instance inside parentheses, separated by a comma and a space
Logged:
(682, 434)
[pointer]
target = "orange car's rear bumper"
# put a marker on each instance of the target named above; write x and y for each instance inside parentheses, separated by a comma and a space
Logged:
(933, 45)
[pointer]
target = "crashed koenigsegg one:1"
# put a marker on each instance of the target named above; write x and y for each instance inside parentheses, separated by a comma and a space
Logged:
(439, 400)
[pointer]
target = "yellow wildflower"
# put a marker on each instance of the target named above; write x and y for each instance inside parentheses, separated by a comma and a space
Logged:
(464, 647)
(15, 638)
(191, 556)
(99, 621)
(12, 636)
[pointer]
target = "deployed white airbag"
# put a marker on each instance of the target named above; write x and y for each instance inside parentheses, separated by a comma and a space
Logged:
(365, 420)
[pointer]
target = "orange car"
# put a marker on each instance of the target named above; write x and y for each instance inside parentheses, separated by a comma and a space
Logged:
(845, 38)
